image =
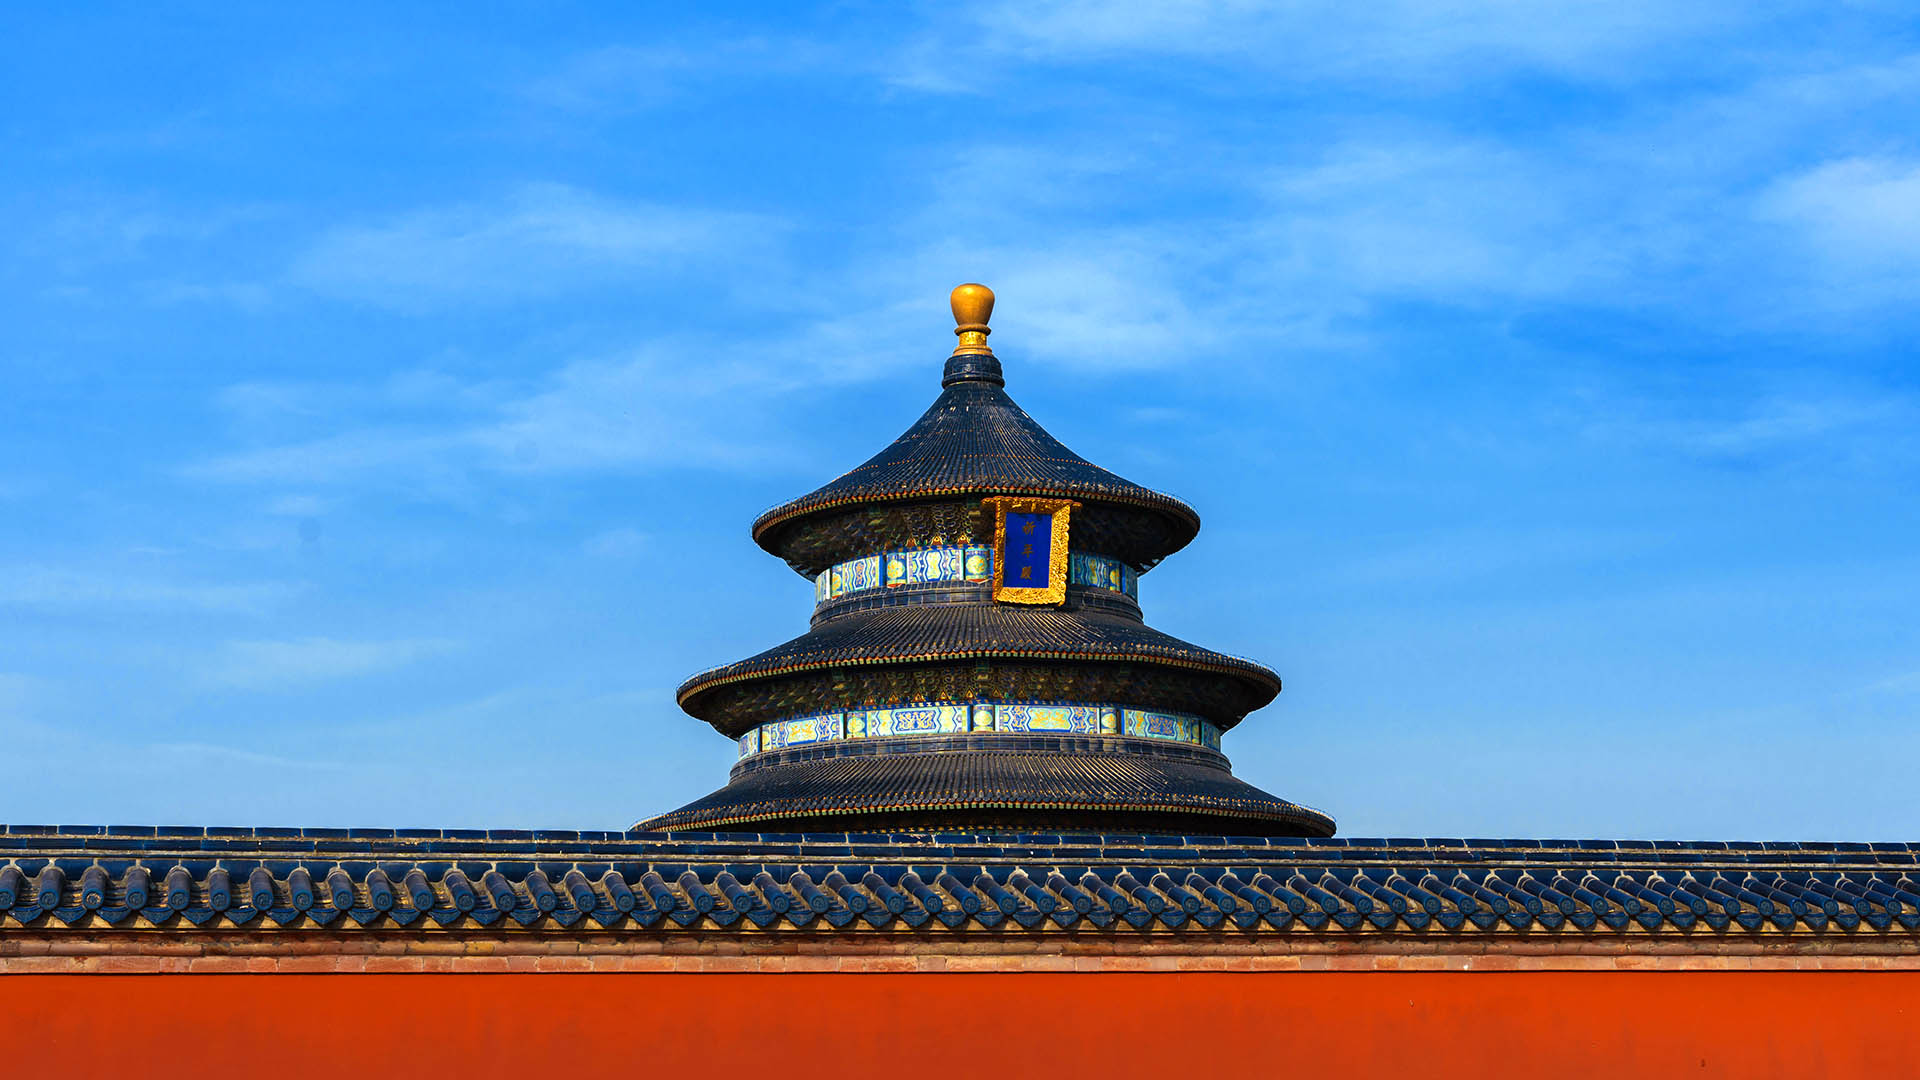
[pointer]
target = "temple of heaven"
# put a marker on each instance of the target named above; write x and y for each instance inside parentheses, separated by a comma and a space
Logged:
(977, 656)
(979, 794)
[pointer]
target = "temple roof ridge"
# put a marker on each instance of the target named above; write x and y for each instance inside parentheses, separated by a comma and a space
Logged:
(976, 440)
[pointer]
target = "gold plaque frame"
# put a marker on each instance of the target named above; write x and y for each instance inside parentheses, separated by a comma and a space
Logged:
(1055, 591)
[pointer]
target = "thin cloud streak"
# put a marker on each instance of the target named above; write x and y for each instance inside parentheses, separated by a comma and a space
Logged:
(1860, 217)
(1771, 426)
(197, 755)
(277, 665)
(1402, 40)
(651, 411)
(56, 589)
(543, 240)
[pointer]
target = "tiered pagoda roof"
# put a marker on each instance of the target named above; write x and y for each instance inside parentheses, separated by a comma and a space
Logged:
(956, 678)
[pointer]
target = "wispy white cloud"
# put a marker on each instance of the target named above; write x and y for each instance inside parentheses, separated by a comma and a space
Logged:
(1110, 301)
(653, 409)
(1397, 39)
(188, 757)
(622, 77)
(1466, 221)
(62, 589)
(266, 401)
(266, 665)
(648, 410)
(351, 454)
(282, 408)
(19, 487)
(1860, 218)
(1097, 269)
(1775, 423)
(16, 691)
(1902, 685)
(541, 240)
(1780, 422)
(240, 295)
(1457, 558)
(298, 506)
(616, 78)
(1109, 254)
(1302, 242)
(1316, 219)
(621, 543)
(86, 236)
(925, 65)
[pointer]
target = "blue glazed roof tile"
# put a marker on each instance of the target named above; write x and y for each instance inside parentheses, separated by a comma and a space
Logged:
(1033, 883)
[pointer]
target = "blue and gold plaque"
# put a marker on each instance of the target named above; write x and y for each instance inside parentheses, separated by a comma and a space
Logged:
(1030, 549)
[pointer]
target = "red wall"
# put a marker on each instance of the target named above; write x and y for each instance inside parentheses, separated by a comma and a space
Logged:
(1432, 1024)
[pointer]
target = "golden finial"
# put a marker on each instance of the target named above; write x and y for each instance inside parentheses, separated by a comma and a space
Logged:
(972, 307)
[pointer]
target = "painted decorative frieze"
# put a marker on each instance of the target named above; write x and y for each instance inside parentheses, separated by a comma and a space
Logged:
(954, 718)
(972, 564)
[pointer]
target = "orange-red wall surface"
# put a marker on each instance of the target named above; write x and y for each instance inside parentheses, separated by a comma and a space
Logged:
(1431, 1025)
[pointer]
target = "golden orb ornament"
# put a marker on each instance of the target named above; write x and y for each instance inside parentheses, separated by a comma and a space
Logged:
(972, 307)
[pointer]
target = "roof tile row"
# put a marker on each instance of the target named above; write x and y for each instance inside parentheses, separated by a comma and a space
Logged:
(88, 878)
(21, 838)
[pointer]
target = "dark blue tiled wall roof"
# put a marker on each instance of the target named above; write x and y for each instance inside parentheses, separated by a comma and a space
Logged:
(558, 881)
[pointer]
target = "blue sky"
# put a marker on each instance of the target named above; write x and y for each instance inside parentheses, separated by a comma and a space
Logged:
(387, 396)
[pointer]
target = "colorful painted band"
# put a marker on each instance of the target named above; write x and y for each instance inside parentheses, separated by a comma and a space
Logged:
(956, 718)
(973, 564)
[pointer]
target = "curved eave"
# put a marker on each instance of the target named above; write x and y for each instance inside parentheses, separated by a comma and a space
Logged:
(668, 822)
(707, 681)
(766, 525)
(1038, 778)
(974, 440)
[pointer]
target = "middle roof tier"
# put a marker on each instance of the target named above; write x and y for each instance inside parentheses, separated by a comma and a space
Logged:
(962, 651)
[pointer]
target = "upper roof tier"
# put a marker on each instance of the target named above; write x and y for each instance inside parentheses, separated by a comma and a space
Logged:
(973, 442)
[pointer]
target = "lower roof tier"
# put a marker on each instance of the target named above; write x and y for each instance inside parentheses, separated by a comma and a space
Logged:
(980, 633)
(995, 781)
